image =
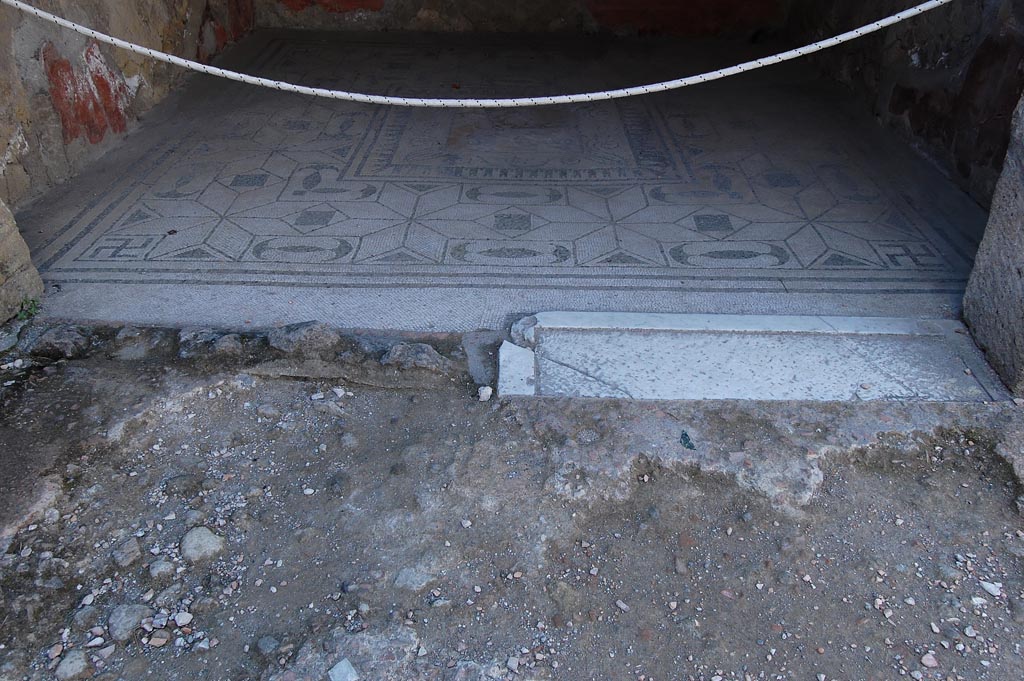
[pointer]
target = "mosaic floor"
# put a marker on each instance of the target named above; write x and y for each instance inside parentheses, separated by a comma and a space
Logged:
(768, 185)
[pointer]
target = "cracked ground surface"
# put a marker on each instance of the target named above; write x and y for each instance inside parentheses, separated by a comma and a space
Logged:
(382, 515)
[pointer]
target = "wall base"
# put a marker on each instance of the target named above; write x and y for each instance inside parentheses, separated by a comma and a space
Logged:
(19, 279)
(994, 304)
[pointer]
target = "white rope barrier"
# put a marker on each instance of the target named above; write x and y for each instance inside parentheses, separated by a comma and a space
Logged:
(485, 103)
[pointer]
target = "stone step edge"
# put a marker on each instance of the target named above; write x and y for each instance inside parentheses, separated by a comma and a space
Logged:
(517, 362)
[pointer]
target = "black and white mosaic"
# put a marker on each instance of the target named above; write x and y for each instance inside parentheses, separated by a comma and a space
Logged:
(719, 182)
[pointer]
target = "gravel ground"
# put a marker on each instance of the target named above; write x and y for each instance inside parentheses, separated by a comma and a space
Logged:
(309, 505)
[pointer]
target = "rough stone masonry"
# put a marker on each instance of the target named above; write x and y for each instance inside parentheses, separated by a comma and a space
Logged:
(994, 304)
(19, 280)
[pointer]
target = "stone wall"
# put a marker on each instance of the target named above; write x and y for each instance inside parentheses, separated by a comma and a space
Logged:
(19, 280)
(667, 17)
(994, 304)
(948, 80)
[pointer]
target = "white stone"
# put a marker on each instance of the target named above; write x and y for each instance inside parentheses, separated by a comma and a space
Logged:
(697, 357)
(517, 371)
(992, 588)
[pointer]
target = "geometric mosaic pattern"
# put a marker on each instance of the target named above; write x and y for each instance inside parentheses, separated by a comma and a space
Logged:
(724, 182)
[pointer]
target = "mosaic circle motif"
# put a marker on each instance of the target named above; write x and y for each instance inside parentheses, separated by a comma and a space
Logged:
(746, 254)
(302, 249)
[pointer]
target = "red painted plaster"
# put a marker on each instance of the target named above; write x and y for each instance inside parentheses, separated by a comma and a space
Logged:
(91, 99)
(109, 87)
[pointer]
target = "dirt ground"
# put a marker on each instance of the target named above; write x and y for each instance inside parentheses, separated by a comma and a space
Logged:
(310, 505)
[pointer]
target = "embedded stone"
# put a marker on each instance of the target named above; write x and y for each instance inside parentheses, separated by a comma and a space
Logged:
(194, 342)
(160, 569)
(305, 338)
(73, 667)
(201, 544)
(343, 671)
(126, 619)
(127, 552)
(61, 342)
(416, 356)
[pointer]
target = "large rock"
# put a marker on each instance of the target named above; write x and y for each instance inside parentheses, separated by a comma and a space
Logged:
(307, 338)
(994, 304)
(61, 342)
(201, 544)
(125, 620)
(73, 667)
(127, 552)
(416, 356)
(196, 342)
(19, 280)
(389, 654)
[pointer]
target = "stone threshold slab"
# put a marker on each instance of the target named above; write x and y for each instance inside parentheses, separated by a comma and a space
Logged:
(652, 356)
